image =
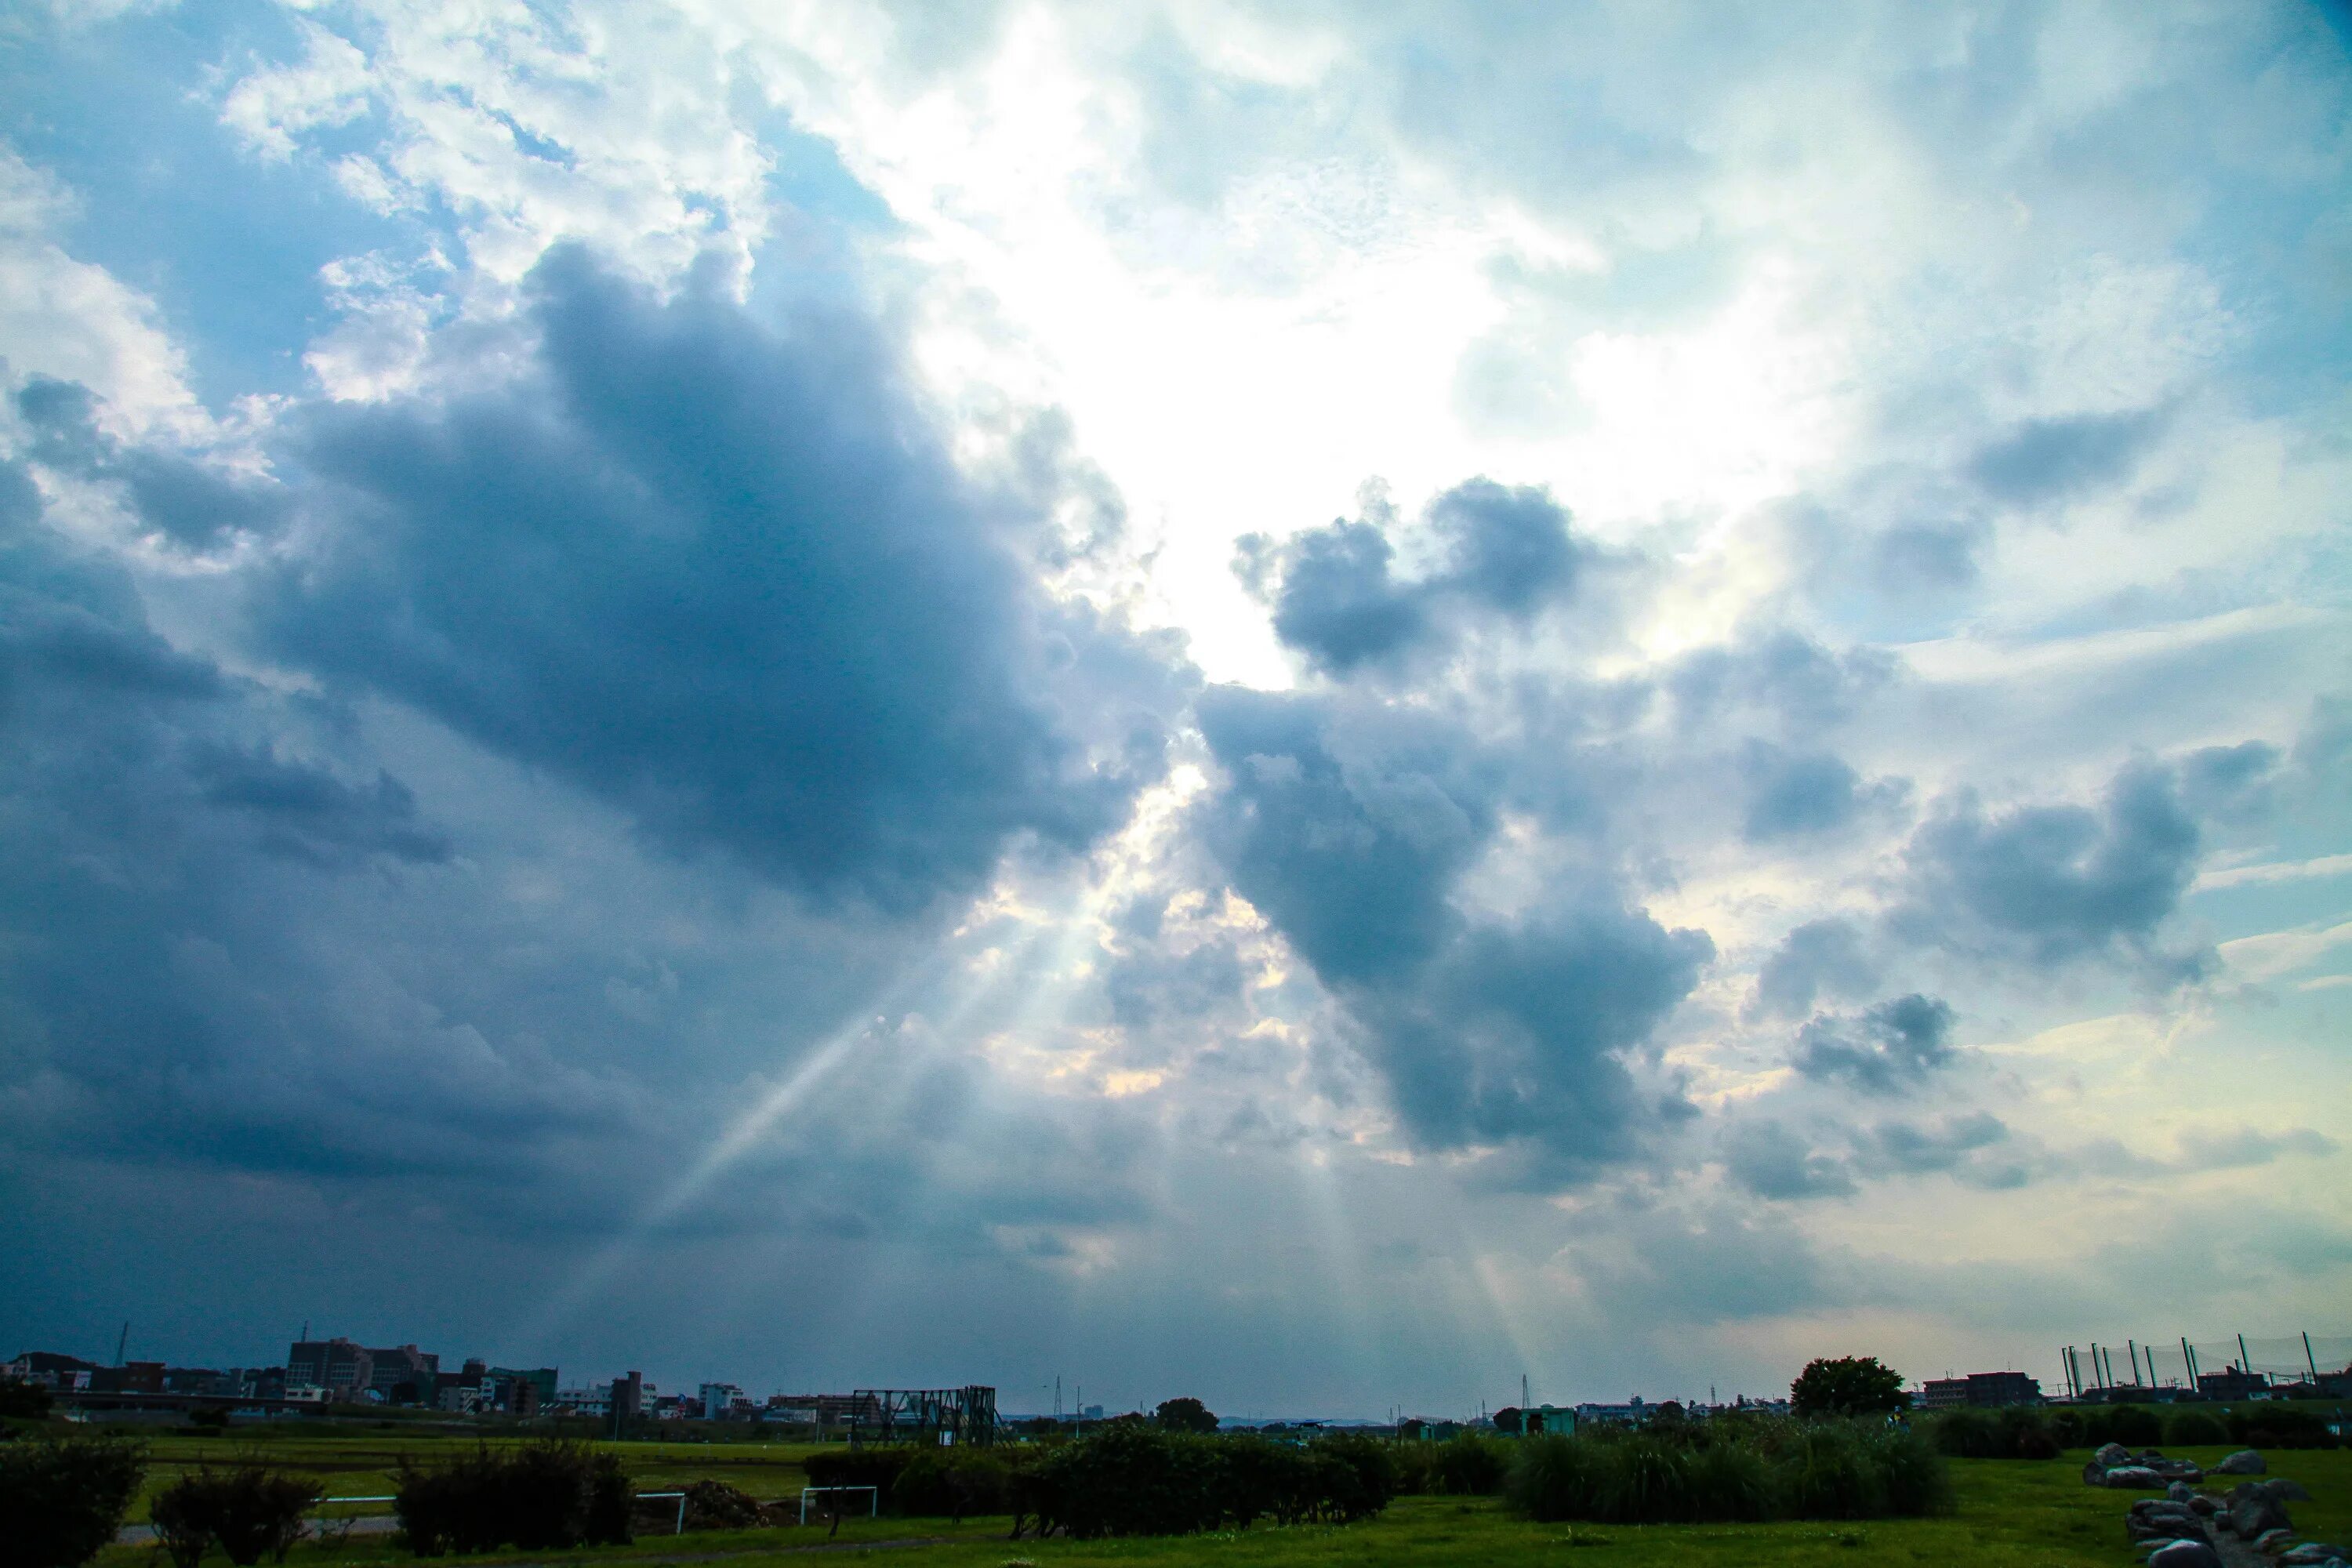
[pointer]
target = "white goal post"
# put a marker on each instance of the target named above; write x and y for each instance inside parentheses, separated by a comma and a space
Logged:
(873, 1499)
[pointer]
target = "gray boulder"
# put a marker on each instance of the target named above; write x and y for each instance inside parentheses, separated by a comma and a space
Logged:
(2133, 1477)
(2253, 1511)
(2185, 1554)
(2178, 1491)
(2311, 1554)
(2110, 1455)
(2280, 1489)
(2161, 1518)
(2244, 1462)
(2271, 1542)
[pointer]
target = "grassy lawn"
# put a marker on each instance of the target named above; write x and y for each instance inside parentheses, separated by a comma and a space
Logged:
(2027, 1515)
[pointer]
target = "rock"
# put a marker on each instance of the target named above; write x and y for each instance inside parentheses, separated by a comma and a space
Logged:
(2133, 1477)
(2280, 1489)
(2178, 1491)
(2185, 1554)
(2161, 1518)
(2310, 1554)
(2203, 1504)
(2244, 1462)
(2110, 1455)
(2272, 1541)
(2253, 1511)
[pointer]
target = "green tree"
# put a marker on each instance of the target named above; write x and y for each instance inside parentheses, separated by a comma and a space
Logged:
(1848, 1386)
(1186, 1415)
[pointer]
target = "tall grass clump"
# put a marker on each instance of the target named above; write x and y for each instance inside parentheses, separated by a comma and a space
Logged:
(1469, 1466)
(1798, 1469)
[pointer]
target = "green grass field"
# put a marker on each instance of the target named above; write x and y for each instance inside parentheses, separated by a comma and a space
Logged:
(2012, 1513)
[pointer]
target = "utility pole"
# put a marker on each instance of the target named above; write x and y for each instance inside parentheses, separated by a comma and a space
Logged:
(1526, 1398)
(123, 1343)
(2309, 1360)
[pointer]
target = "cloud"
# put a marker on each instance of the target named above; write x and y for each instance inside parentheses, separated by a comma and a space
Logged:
(192, 505)
(2048, 459)
(1794, 794)
(2058, 883)
(1349, 831)
(1771, 1162)
(1887, 1049)
(730, 582)
(1501, 549)
(1819, 957)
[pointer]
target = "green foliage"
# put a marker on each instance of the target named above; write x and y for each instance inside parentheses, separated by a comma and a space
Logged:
(2268, 1425)
(1469, 1466)
(25, 1401)
(538, 1497)
(876, 1467)
(1186, 1415)
(61, 1500)
(247, 1510)
(2189, 1426)
(2013, 1432)
(1848, 1386)
(953, 1482)
(1720, 1473)
(1135, 1480)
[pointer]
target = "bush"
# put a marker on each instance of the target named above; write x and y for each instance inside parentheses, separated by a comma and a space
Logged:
(876, 1467)
(2189, 1427)
(247, 1510)
(2015, 1432)
(63, 1498)
(1416, 1467)
(540, 1496)
(1135, 1481)
(26, 1401)
(951, 1483)
(1715, 1471)
(2133, 1425)
(1466, 1466)
(2272, 1426)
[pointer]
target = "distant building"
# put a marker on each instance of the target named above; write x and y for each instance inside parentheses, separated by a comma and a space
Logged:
(2231, 1383)
(628, 1401)
(404, 1375)
(1632, 1413)
(343, 1369)
(718, 1400)
(1981, 1389)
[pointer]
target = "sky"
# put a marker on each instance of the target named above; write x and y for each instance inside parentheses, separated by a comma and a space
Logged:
(1316, 705)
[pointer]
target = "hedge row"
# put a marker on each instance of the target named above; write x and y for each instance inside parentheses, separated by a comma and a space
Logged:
(1729, 1470)
(1130, 1481)
(2022, 1432)
(538, 1497)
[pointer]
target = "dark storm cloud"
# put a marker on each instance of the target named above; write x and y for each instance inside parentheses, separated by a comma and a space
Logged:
(305, 811)
(2048, 459)
(1890, 1048)
(1504, 550)
(194, 506)
(2058, 882)
(1795, 793)
(731, 582)
(1771, 1162)
(1349, 829)
(1821, 957)
(1909, 1148)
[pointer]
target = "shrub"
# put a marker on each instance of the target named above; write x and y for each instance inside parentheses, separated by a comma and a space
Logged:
(26, 1401)
(1416, 1467)
(876, 1467)
(2189, 1427)
(1720, 1471)
(2270, 1425)
(951, 1483)
(63, 1498)
(2133, 1425)
(1357, 1477)
(247, 1510)
(1555, 1478)
(2016, 1432)
(1466, 1466)
(540, 1496)
(1132, 1479)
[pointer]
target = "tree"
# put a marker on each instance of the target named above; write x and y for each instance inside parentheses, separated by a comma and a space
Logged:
(1849, 1385)
(1186, 1415)
(1507, 1421)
